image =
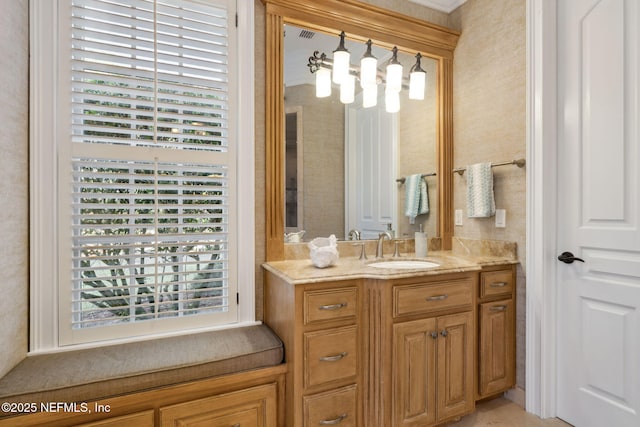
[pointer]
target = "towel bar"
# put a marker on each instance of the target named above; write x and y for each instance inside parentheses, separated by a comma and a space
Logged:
(402, 180)
(518, 162)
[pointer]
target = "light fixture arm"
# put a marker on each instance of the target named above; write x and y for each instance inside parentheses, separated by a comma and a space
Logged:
(319, 60)
(416, 67)
(341, 47)
(394, 56)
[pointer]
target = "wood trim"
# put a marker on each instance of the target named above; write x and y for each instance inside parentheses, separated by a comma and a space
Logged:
(384, 27)
(274, 130)
(154, 399)
(445, 152)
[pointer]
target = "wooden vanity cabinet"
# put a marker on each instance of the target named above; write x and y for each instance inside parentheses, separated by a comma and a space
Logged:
(496, 331)
(433, 353)
(319, 324)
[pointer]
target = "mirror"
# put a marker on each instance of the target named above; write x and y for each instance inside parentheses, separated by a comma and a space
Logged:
(342, 161)
(361, 21)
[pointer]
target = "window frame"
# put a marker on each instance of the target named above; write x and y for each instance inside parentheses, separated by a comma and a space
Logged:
(45, 124)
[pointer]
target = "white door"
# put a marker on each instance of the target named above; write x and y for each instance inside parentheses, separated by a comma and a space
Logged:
(371, 193)
(598, 363)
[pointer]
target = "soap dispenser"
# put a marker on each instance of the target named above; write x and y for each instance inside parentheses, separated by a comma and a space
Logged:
(421, 243)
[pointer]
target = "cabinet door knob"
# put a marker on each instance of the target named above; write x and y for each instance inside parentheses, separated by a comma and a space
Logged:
(334, 358)
(334, 421)
(444, 333)
(333, 306)
(434, 335)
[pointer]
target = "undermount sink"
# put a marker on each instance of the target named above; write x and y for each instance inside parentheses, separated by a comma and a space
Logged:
(404, 265)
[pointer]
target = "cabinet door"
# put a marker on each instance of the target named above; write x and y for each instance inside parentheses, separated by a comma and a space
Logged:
(496, 351)
(252, 407)
(455, 365)
(414, 373)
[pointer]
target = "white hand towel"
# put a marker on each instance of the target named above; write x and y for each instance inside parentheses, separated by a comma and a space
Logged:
(416, 197)
(480, 199)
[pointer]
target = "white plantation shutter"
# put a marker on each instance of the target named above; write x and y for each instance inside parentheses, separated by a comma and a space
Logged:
(151, 168)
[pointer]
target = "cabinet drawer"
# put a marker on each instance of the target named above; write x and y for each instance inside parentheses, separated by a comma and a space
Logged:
(337, 407)
(330, 355)
(330, 304)
(496, 283)
(139, 419)
(428, 297)
(255, 406)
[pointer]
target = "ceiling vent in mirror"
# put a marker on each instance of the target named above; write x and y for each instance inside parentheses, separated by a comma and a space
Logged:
(306, 34)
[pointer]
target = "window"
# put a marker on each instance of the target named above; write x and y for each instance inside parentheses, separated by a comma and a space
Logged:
(144, 169)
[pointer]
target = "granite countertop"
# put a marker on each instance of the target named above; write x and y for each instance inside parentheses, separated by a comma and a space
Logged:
(300, 271)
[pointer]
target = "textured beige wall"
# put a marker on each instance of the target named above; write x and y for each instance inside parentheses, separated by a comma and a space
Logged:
(260, 153)
(417, 148)
(412, 9)
(323, 160)
(489, 89)
(14, 186)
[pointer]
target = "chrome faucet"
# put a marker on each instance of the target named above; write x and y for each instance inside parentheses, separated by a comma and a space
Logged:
(381, 238)
(354, 234)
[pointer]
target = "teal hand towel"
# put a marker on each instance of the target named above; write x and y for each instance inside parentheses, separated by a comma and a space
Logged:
(416, 197)
(480, 199)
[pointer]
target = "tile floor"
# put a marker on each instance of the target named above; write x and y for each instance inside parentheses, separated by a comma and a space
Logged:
(501, 412)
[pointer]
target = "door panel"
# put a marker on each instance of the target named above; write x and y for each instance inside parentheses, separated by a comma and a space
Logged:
(455, 365)
(371, 169)
(599, 212)
(497, 367)
(414, 373)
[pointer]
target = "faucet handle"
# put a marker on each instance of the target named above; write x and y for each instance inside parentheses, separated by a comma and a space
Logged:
(363, 254)
(396, 253)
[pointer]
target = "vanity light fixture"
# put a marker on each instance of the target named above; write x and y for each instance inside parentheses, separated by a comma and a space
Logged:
(341, 72)
(417, 78)
(394, 73)
(341, 61)
(348, 89)
(323, 82)
(368, 68)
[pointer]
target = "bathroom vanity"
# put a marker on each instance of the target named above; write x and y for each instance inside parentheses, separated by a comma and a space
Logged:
(372, 346)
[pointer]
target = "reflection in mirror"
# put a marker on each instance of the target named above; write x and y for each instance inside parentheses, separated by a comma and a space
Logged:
(343, 160)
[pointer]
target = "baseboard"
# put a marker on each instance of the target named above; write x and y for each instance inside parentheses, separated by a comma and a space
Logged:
(517, 396)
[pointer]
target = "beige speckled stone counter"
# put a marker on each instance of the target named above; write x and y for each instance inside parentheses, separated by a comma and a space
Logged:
(300, 271)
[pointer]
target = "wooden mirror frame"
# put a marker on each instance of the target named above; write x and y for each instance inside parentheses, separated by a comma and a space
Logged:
(385, 28)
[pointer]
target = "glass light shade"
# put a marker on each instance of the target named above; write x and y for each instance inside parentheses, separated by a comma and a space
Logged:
(341, 62)
(392, 101)
(369, 96)
(394, 77)
(368, 71)
(323, 82)
(348, 89)
(416, 85)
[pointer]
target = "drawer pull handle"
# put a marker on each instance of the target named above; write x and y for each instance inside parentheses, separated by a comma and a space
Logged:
(333, 306)
(498, 308)
(498, 285)
(438, 297)
(334, 358)
(334, 421)
(236, 425)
